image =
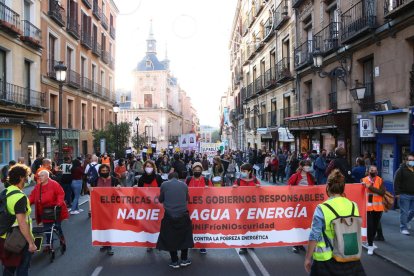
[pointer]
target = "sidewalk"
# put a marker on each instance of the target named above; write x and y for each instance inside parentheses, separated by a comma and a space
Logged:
(397, 248)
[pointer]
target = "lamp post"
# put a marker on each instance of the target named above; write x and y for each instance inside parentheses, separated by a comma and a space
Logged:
(341, 72)
(137, 122)
(116, 110)
(60, 70)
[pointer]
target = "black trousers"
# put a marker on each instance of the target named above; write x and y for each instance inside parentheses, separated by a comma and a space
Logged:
(174, 255)
(373, 219)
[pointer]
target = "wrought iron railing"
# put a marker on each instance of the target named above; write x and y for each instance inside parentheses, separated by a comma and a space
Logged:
(281, 14)
(360, 17)
(309, 105)
(57, 12)
(249, 90)
(303, 54)
(31, 33)
(73, 78)
(96, 10)
(328, 38)
(86, 85)
(283, 70)
(368, 103)
(9, 18)
(87, 3)
(96, 48)
(112, 32)
(269, 77)
(258, 84)
(392, 5)
(21, 96)
(262, 120)
(105, 56)
(86, 39)
(104, 21)
(73, 27)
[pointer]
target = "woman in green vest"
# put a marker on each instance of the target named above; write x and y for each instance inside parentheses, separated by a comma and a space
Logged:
(18, 205)
(319, 256)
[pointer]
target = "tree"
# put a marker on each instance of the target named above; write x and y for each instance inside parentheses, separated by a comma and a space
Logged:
(116, 136)
(137, 143)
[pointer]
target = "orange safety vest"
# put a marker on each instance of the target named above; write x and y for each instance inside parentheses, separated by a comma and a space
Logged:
(374, 200)
(106, 160)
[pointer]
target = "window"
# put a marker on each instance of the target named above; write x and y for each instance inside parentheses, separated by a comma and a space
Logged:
(52, 108)
(52, 53)
(103, 42)
(333, 96)
(94, 34)
(83, 67)
(69, 57)
(83, 116)
(262, 66)
(72, 14)
(309, 106)
(102, 118)
(5, 146)
(27, 80)
(93, 74)
(70, 113)
(103, 78)
(93, 117)
(147, 100)
(3, 71)
(369, 100)
(286, 49)
(27, 8)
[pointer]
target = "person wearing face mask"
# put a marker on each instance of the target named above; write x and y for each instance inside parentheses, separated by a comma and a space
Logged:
(404, 192)
(376, 190)
(302, 177)
(120, 172)
(247, 178)
(150, 178)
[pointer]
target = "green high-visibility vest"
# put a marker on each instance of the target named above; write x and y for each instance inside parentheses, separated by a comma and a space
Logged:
(11, 202)
(343, 207)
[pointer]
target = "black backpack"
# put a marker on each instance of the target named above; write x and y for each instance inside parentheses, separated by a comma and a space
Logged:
(6, 219)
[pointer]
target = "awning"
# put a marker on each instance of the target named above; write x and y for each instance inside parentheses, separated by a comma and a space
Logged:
(387, 112)
(320, 120)
(43, 129)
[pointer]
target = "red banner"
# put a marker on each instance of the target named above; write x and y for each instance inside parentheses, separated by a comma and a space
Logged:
(221, 217)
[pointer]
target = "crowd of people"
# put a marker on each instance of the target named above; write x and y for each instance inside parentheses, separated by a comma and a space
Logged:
(62, 185)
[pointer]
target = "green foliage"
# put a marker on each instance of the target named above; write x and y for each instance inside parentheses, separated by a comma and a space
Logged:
(116, 136)
(135, 143)
(215, 136)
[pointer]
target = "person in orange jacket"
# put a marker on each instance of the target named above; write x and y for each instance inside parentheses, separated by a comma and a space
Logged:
(376, 191)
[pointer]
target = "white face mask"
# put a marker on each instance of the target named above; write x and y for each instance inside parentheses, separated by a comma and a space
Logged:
(306, 168)
(149, 170)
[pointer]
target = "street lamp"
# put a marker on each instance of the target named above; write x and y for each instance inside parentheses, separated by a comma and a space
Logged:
(137, 122)
(116, 110)
(60, 70)
(339, 72)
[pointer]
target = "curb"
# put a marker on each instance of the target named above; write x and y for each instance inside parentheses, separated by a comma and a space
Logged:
(382, 256)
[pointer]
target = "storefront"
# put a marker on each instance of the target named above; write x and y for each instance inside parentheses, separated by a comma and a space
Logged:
(70, 145)
(269, 138)
(286, 139)
(321, 130)
(395, 139)
(10, 139)
(35, 138)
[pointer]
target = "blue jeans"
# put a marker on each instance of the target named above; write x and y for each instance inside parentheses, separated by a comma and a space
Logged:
(23, 268)
(76, 188)
(406, 210)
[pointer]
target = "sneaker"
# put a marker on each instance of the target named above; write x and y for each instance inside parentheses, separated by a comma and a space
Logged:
(295, 249)
(203, 251)
(185, 263)
(174, 265)
(370, 250)
(80, 210)
(405, 232)
(242, 251)
(74, 212)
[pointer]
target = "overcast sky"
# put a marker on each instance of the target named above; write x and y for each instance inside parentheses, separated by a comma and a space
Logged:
(197, 35)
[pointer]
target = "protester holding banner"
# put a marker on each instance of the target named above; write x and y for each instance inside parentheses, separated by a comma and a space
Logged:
(176, 228)
(376, 191)
(302, 177)
(198, 180)
(322, 232)
(150, 178)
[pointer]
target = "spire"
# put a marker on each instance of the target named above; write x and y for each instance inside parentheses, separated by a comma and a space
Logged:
(166, 61)
(151, 42)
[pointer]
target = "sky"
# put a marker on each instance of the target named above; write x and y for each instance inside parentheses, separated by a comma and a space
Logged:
(196, 34)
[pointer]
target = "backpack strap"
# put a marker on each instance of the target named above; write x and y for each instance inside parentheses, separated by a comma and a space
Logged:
(353, 209)
(333, 210)
(188, 180)
(238, 181)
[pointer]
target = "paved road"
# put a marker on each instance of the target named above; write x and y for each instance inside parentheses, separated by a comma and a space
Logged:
(83, 259)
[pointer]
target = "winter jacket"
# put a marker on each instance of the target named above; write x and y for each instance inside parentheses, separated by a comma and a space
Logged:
(404, 181)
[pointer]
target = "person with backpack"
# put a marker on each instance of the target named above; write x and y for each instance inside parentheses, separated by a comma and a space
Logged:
(105, 179)
(15, 212)
(376, 191)
(247, 178)
(326, 254)
(340, 163)
(66, 179)
(91, 172)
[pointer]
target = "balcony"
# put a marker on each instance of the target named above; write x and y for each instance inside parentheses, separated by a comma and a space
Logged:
(112, 32)
(327, 40)
(281, 14)
(297, 3)
(272, 118)
(250, 18)
(258, 84)
(249, 91)
(270, 78)
(309, 106)
(250, 51)
(52, 118)
(268, 29)
(73, 28)
(21, 97)
(333, 100)
(87, 3)
(262, 120)
(104, 21)
(111, 62)
(86, 85)
(57, 13)
(143, 106)
(358, 20)
(9, 20)
(105, 93)
(96, 89)
(96, 11)
(243, 94)
(368, 103)
(303, 54)
(96, 48)
(86, 39)
(105, 56)
(31, 35)
(73, 79)
(70, 120)
(283, 70)
(258, 45)
(392, 8)
(51, 73)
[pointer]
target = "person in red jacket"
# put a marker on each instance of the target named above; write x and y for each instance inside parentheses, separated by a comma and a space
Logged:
(302, 177)
(274, 166)
(48, 193)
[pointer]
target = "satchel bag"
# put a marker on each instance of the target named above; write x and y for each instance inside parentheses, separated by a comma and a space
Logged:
(50, 213)
(15, 241)
(388, 201)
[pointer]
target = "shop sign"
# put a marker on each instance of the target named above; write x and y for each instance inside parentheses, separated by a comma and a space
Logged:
(312, 122)
(392, 123)
(10, 120)
(46, 132)
(285, 135)
(261, 130)
(366, 128)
